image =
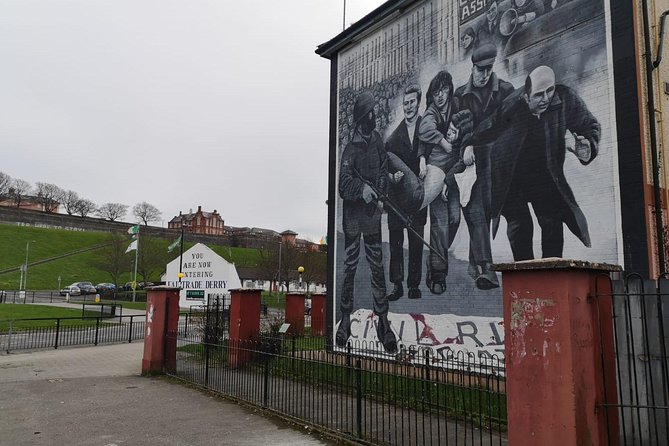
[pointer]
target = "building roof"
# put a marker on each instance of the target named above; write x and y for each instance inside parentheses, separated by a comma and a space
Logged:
(385, 12)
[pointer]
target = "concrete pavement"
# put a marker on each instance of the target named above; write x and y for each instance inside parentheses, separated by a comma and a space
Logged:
(96, 396)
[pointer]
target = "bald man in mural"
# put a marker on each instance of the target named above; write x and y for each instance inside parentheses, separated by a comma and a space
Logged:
(527, 159)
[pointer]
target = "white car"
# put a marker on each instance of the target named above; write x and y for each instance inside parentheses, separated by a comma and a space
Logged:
(73, 290)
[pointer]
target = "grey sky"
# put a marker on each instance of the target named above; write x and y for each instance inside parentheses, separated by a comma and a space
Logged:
(179, 103)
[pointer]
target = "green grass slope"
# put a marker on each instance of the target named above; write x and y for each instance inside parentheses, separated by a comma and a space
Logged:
(46, 243)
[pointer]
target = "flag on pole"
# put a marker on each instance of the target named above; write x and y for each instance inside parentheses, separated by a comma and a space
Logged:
(174, 244)
(132, 246)
(132, 230)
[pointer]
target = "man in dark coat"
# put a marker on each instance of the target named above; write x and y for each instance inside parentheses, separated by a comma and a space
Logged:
(363, 176)
(403, 142)
(482, 95)
(488, 29)
(527, 159)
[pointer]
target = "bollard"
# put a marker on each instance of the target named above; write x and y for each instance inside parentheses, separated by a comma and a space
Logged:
(162, 318)
(559, 352)
(295, 313)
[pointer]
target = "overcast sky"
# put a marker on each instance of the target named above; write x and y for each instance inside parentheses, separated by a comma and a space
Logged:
(217, 103)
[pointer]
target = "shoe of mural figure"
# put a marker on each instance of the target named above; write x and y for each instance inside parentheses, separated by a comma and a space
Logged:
(344, 330)
(473, 271)
(487, 280)
(435, 286)
(385, 334)
(396, 293)
(414, 293)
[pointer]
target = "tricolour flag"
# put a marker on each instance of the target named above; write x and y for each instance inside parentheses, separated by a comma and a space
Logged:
(174, 244)
(132, 230)
(132, 246)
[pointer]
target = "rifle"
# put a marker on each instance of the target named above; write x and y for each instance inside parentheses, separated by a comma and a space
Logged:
(405, 219)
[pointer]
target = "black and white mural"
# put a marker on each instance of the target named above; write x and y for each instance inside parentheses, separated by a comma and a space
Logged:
(470, 132)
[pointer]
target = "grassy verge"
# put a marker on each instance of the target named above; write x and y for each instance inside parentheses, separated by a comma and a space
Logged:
(274, 300)
(17, 315)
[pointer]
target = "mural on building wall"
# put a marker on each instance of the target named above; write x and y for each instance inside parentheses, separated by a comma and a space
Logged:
(470, 132)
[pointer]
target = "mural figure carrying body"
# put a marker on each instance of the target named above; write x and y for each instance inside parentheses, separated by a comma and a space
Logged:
(403, 143)
(363, 177)
(482, 95)
(444, 213)
(528, 136)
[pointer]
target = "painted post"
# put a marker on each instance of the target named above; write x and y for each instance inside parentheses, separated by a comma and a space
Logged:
(318, 314)
(244, 324)
(162, 318)
(559, 353)
(295, 313)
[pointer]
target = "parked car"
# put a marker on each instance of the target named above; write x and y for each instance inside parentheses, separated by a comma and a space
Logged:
(105, 287)
(86, 287)
(142, 285)
(72, 290)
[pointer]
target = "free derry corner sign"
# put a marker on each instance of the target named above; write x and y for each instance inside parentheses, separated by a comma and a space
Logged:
(205, 273)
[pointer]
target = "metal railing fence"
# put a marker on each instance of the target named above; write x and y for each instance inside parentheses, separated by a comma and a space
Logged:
(417, 398)
(43, 333)
(640, 396)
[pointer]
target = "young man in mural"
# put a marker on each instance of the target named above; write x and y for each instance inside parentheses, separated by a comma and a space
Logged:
(482, 95)
(527, 159)
(444, 213)
(403, 143)
(363, 178)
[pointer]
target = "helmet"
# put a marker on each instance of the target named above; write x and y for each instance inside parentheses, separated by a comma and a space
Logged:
(364, 103)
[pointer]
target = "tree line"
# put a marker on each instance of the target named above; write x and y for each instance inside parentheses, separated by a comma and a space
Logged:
(51, 197)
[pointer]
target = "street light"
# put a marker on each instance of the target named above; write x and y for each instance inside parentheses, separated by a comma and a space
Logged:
(24, 270)
(300, 270)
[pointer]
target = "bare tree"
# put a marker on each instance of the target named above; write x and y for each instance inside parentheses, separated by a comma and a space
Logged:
(83, 207)
(152, 258)
(112, 211)
(50, 196)
(19, 189)
(146, 212)
(112, 259)
(5, 183)
(69, 201)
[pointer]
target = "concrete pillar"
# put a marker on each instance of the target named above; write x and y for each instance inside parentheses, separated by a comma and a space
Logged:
(244, 324)
(559, 353)
(295, 313)
(162, 319)
(318, 314)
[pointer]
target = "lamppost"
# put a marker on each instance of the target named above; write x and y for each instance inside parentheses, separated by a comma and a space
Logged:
(300, 270)
(24, 270)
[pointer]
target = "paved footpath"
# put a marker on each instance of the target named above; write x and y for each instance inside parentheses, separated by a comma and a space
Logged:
(96, 396)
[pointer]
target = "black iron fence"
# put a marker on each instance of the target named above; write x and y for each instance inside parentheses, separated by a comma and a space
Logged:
(42, 333)
(42, 296)
(638, 406)
(359, 393)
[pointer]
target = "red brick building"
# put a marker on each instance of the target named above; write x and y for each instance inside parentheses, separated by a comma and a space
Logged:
(199, 222)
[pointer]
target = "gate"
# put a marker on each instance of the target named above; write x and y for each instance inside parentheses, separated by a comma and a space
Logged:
(639, 412)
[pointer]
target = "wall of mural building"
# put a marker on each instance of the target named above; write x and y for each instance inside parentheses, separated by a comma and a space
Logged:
(468, 133)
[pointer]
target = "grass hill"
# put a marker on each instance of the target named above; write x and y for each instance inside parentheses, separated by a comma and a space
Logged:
(83, 247)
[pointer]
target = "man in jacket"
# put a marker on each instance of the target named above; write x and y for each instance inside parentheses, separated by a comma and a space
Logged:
(482, 95)
(527, 159)
(363, 176)
(403, 142)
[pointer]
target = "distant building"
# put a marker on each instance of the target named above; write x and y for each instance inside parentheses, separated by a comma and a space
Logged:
(30, 202)
(199, 222)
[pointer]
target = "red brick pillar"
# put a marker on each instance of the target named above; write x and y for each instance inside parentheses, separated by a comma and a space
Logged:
(559, 352)
(244, 324)
(295, 313)
(162, 318)
(317, 314)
